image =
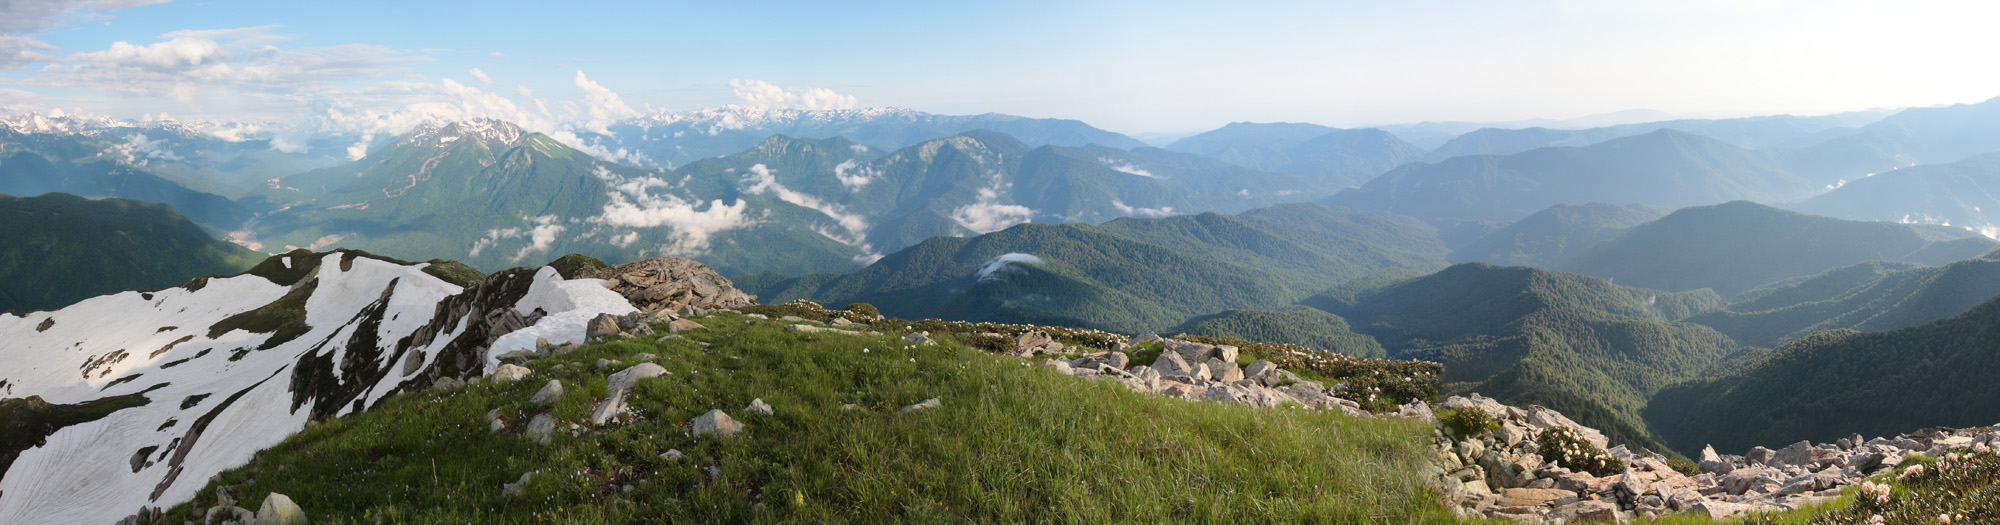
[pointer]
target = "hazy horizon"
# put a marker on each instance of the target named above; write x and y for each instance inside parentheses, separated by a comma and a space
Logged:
(1137, 68)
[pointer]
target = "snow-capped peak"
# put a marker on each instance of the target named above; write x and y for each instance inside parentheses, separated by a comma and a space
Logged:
(490, 133)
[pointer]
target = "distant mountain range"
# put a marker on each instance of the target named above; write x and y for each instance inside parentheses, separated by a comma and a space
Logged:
(1954, 194)
(676, 138)
(1338, 157)
(1130, 274)
(490, 193)
(1737, 246)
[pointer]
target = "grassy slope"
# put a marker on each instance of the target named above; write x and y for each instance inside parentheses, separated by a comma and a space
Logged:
(1012, 442)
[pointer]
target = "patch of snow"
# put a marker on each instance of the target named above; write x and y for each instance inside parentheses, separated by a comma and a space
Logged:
(574, 302)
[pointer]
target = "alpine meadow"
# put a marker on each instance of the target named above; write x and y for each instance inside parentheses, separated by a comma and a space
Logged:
(1026, 262)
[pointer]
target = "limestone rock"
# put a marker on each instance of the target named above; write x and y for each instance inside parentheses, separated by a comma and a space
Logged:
(604, 325)
(758, 406)
(616, 387)
(516, 488)
(1035, 342)
(541, 429)
(549, 394)
(672, 283)
(683, 325)
(508, 373)
(927, 404)
(715, 422)
(279, 509)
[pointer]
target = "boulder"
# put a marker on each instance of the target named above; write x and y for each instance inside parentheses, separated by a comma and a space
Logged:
(278, 509)
(683, 325)
(510, 373)
(1171, 364)
(541, 429)
(1114, 359)
(1799, 454)
(1588, 510)
(1532, 497)
(759, 406)
(671, 283)
(715, 422)
(493, 422)
(1256, 371)
(1035, 342)
(927, 404)
(549, 394)
(916, 338)
(516, 488)
(604, 325)
(616, 387)
(1712, 463)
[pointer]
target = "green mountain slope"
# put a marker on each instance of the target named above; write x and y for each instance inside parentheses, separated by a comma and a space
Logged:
(1130, 274)
(1308, 327)
(1955, 194)
(1868, 297)
(1663, 168)
(1590, 349)
(57, 249)
(1737, 246)
(1550, 237)
(1835, 383)
(1339, 157)
(29, 173)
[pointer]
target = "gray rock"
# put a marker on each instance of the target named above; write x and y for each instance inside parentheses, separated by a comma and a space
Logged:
(673, 283)
(672, 454)
(758, 406)
(1061, 366)
(493, 420)
(715, 422)
(541, 429)
(1589, 510)
(604, 325)
(1256, 371)
(643, 356)
(229, 514)
(916, 338)
(1712, 463)
(927, 404)
(1114, 359)
(683, 325)
(279, 509)
(1225, 371)
(616, 388)
(1799, 454)
(516, 488)
(448, 382)
(549, 394)
(508, 372)
(1171, 364)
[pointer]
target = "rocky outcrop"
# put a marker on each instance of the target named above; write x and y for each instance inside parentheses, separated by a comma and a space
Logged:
(1501, 473)
(1198, 371)
(671, 284)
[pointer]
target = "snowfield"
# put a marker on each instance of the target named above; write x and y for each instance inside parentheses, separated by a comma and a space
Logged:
(212, 400)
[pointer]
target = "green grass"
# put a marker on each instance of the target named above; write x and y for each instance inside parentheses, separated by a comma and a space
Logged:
(1013, 442)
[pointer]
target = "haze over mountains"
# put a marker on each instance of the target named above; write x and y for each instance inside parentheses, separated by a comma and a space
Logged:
(1587, 270)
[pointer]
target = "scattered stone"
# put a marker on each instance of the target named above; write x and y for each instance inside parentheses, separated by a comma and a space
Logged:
(604, 325)
(615, 389)
(672, 454)
(449, 382)
(279, 509)
(516, 488)
(542, 429)
(918, 339)
(758, 406)
(683, 325)
(549, 394)
(1035, 342)
(494, 421)
(715, 422)
(564, 349)
(643, 356)
(927, 404)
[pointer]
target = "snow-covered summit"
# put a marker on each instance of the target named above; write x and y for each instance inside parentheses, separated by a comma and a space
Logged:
(489, 133)
(732, 116)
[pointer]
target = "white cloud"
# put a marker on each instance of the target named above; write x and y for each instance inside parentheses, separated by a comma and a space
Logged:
(236, 66)
(604, 105)
(1124, 167)
(765, 94)
(481, 75)
(634, 205)
(1142, 212)
(987, 214)
(855, 227)
(853, 175)
(138, 146)
(541, 235)
(987, 271)
(21, 18)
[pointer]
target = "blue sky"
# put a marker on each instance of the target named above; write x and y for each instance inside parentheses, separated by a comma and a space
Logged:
(1126, 66)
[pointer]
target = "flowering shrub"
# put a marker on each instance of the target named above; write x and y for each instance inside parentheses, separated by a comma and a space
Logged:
(1468, 421)
(1567, 448)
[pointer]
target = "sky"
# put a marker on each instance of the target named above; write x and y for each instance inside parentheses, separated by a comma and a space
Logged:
(1132, 67)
